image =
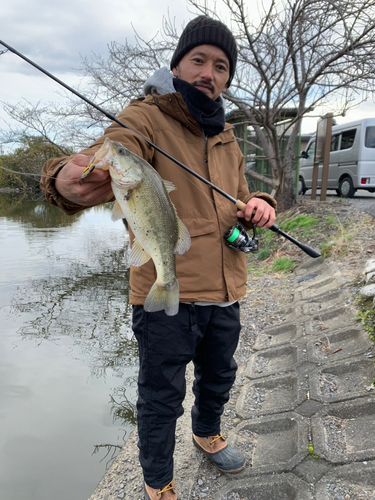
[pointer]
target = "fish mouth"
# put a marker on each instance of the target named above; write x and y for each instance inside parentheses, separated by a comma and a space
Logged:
(101, 159)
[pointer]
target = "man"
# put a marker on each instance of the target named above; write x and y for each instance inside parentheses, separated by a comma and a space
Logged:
(183, 114)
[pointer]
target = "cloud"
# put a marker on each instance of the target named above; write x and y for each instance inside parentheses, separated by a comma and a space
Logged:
(57, 34)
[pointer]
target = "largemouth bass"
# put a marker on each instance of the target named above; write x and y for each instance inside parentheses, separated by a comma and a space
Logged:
(142, 199)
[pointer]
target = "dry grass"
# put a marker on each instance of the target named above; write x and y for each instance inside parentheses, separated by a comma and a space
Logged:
(340, 232)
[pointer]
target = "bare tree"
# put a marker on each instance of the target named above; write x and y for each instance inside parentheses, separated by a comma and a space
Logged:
(295, 55)
(302, 54)
(110, 82)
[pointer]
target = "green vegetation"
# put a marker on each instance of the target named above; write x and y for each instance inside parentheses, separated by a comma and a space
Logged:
(326, 227)
(263, 253)
(21, 169)
(301, 221)
(366, 315)
(283, 265)
(330, 220)
(270, 257)
(311, 451)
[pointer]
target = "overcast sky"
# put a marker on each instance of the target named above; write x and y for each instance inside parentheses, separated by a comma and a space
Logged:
(56, 34)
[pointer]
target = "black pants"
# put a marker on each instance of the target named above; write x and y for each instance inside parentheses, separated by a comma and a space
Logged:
(208, 335)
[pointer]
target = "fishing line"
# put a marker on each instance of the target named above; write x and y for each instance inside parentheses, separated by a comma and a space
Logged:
(240, 205)
(25, 173)
(29, 174)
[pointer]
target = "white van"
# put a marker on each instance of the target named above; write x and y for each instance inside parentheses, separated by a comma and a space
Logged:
(352, 159)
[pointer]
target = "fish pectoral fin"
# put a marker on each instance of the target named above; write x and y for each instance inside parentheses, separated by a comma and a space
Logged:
(117, 212)
(183, 241)
(169, 186)
(138, 255)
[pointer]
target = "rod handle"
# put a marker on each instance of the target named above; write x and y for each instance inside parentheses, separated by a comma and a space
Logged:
(241, 205)
(310, 251)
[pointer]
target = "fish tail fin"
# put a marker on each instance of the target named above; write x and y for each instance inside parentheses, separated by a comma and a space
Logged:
(165, 297)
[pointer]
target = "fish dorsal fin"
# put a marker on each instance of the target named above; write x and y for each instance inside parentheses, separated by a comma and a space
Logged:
(183, 241)
(117, 212)
(138, 256)
(169, 186)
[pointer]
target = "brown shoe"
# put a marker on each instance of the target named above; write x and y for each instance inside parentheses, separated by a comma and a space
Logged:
(166, 493)
(223, 456)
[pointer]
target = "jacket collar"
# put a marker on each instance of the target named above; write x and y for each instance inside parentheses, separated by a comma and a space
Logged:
(173, 105)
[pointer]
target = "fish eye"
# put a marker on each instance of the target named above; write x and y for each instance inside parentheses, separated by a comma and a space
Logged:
(121, 150)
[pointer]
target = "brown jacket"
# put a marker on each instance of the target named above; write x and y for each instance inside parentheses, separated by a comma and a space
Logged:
(209, 271)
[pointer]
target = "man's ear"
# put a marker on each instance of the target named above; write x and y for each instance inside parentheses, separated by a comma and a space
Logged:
(175, 72)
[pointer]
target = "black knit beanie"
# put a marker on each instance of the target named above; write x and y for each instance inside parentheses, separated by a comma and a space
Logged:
(206, 31)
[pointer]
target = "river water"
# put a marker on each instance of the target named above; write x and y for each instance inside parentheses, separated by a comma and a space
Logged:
(68, 359)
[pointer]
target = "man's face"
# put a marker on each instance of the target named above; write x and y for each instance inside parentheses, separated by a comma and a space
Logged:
(207, 68)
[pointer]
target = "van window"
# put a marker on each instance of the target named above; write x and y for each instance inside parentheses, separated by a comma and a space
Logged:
(347, 138)
(370, 137)
(311, 150)
(335, 142)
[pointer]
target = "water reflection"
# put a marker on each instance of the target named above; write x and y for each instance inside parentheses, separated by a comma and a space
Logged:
(63, 288)
(31, 208)
(87, 304)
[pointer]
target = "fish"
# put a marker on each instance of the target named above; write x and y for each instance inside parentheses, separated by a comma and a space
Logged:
(142, 198)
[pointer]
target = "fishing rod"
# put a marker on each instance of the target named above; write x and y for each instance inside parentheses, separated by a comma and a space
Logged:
(240, 205)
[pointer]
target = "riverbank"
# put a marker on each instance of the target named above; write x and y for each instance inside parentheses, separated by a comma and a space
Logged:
(305, 426)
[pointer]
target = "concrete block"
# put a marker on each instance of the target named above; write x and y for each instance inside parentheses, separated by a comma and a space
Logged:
(276, 335)
(341, 380)
(275, 443)
(319, 287)
(311, 469)
(344, 432)
(340, 344)
(318, 266)
(330, 319)
(354, 481)
(324, 302)
(274, 360)
(308, 408)
(310, 265)
(281, 487)
(273, 394)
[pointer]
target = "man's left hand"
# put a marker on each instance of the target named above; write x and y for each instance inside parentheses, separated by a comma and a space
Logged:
(259, 212)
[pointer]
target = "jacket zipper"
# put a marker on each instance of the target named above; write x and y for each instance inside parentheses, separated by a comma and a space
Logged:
(205, 148)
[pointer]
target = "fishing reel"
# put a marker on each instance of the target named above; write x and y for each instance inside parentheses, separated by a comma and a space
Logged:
(237, 238)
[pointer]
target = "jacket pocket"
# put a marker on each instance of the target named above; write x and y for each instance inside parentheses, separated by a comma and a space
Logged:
(200, 226)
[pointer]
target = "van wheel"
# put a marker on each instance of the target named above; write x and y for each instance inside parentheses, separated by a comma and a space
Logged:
(346, 188)
(301, 186)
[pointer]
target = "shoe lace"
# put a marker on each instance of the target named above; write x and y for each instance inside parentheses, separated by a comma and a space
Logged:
(215, 438)
(166, 488)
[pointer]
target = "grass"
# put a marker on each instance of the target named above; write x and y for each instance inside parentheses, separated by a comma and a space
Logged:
(330, 228)
(283, 265)
(366, 315)
(269, 257)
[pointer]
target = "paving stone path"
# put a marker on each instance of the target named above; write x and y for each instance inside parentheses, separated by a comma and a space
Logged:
(305, 411)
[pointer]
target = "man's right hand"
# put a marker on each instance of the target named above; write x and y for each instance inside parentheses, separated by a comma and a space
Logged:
(92, 190)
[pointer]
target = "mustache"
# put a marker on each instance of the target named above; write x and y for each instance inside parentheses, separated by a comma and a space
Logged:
(205, 83)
